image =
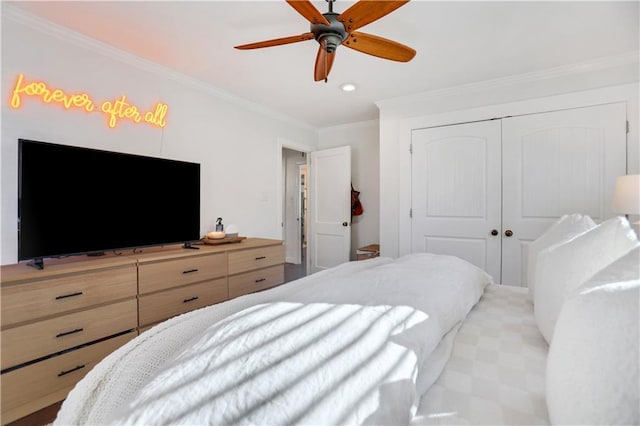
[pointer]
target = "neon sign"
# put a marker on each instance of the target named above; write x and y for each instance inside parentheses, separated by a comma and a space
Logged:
(115, 110)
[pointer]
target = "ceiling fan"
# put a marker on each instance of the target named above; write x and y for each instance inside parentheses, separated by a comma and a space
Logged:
(331, 30)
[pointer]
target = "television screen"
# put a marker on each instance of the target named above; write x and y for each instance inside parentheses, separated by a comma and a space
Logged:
(76, 200)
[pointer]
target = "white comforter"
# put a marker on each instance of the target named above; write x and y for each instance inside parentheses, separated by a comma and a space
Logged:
(354, 344)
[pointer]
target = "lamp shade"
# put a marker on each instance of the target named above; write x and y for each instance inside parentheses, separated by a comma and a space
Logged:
(626, 197)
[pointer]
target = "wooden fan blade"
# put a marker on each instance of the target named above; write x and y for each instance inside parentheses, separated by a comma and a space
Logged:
(324, 62)
(366, 11)
(277, 41)
(309, 11)
(379, 46)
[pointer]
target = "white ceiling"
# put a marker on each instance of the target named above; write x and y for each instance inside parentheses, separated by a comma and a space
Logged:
(457, 43)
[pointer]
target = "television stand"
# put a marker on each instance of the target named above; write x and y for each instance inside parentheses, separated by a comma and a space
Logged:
(133, 291)
(190, 246)
(37, 263)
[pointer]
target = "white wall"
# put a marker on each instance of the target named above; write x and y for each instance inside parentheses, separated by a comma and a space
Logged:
(235, 142)
(363, 138)
(607, 80)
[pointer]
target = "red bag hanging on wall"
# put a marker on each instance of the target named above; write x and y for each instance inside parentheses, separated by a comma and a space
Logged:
(356, 206)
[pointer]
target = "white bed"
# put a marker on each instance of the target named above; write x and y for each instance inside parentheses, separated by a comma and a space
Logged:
(423, 339)
(374, 327)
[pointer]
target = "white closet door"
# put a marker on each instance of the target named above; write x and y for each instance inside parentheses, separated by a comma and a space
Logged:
(557, 163)
(456, 192)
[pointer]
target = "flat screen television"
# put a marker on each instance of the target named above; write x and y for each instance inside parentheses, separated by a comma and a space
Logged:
(75, 200)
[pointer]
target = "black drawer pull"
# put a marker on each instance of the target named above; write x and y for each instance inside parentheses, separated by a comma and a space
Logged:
(188, 271)
(63, 373)
(191, 299)
(261, 257)
(260, 280)
(64, 296)
(66, 333)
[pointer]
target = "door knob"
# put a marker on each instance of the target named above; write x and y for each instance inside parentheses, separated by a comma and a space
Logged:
(508, 232)
(345, 224)
(494, 232)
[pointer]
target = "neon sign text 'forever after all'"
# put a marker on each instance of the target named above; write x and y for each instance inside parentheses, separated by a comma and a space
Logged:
(115, 110)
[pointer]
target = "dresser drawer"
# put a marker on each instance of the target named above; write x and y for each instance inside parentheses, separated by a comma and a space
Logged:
(255, 280)
(39, 299)
(248, 260)
(35, 340)
(172, 273)
(166, 304)
(39, 385)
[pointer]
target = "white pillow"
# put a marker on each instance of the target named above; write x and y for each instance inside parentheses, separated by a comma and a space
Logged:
(565, 228)
(625, 268)
(562, 268)
(592, 367)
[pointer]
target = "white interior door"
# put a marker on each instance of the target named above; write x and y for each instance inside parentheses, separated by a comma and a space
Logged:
(557, 163)
(456, 192)
(329, 207)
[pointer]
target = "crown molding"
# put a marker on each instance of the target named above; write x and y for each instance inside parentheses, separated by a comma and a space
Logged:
(626, 59)
(350, 126)
(25, 18)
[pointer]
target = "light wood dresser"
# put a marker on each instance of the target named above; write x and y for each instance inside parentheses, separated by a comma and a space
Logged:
(57, 323)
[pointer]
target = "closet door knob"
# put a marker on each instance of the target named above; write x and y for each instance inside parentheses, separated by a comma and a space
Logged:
(494, 232)
(345, 224)
(508, 232)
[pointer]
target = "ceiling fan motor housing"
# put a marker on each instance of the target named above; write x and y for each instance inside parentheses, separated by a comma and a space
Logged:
(330, 36)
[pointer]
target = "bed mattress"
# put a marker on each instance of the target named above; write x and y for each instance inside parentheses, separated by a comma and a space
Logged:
(355, 344)
(497, 367)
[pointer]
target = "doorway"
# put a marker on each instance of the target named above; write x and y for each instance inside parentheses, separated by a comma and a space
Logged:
(294, 212)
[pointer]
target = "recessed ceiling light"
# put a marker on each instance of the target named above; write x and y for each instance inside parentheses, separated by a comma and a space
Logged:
(348, 87)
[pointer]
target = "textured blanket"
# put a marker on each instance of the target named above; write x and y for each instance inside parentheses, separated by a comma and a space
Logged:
(350, 345)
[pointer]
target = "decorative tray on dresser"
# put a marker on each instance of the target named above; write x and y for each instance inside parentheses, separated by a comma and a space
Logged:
(225, 240)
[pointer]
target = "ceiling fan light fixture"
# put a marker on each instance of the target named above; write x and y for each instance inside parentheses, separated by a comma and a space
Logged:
(331, 30)
(330, 41)
(348, 87)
